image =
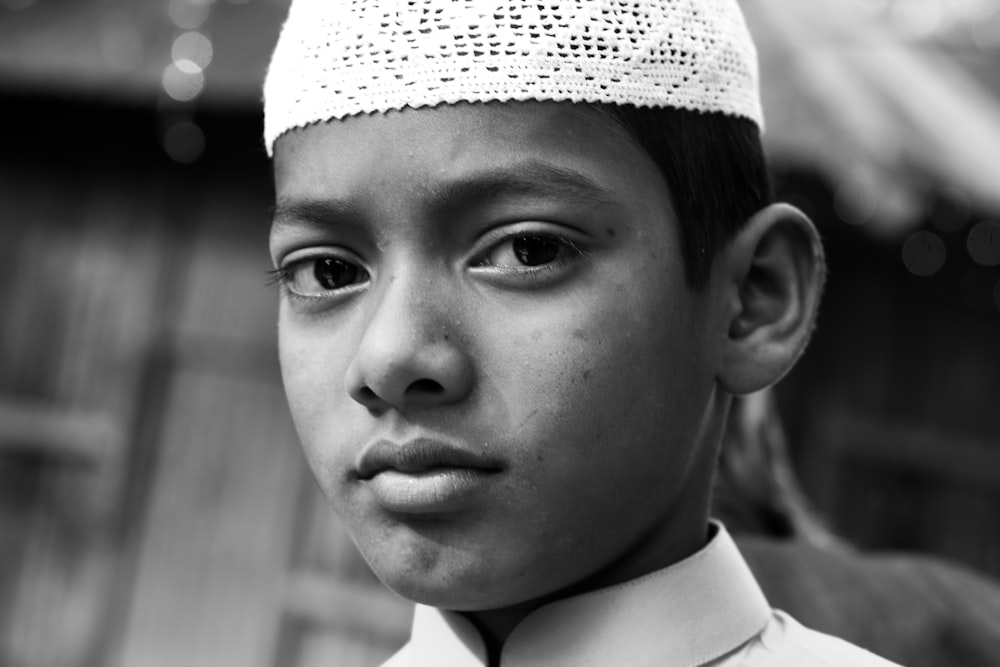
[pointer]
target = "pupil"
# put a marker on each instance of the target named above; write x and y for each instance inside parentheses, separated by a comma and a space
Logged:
(535, 250)
(332, 273)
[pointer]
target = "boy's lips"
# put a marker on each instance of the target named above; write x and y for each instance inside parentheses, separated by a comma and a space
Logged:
(423, 475)
(418, 456)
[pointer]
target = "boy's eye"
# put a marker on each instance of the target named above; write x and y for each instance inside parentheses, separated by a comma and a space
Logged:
(526, 251)
(316, 276)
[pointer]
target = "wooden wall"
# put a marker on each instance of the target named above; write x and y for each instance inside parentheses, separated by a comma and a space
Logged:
(155, 507)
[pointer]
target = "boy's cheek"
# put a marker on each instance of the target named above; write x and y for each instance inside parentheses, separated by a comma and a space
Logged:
(314, 390)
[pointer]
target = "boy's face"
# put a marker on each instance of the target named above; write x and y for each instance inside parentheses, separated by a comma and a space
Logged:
(497, 371)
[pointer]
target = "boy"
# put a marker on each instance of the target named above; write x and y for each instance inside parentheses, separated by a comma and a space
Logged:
(527, 255)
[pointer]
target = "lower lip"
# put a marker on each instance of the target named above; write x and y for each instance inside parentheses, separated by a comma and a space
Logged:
(437, 490)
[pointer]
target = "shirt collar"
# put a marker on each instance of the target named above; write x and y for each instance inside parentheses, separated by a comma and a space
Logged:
(687, 614)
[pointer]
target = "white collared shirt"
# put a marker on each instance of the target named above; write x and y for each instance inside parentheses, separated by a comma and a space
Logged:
(706, 610)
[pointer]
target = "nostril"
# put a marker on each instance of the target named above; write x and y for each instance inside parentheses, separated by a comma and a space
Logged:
(425, 386)
(367, 395)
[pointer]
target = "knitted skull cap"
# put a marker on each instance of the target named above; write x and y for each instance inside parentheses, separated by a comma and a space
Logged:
(338, 58)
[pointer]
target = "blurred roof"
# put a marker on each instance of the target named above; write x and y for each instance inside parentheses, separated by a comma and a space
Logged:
(891, 99)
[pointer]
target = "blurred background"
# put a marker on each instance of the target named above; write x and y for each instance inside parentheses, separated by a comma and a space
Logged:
(154, 507)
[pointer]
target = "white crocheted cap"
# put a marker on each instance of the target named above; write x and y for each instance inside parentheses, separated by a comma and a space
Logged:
(338, 58)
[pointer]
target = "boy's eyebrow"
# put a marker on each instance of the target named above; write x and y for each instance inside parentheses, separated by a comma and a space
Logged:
(317, 212)
(531, 179)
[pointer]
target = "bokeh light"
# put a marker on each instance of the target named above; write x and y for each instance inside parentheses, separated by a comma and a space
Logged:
(192, 46)
(983, 243)
(184, 141)
(855, 203)
(183, 80)
(924, 253)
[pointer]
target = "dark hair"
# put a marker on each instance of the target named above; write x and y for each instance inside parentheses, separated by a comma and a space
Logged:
(715, 170)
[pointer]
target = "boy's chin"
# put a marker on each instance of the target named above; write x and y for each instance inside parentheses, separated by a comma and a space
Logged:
(448, 596)
(457, 581)
(455, 589)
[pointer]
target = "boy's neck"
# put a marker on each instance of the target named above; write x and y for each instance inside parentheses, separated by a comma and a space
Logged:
(650, 555)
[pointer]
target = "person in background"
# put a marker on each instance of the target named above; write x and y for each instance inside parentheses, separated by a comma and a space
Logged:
(916, 610)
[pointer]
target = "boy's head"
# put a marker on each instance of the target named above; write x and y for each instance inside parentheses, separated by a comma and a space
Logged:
(510, 320)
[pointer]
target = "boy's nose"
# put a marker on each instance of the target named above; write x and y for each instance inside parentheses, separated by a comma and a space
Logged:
(409, 355)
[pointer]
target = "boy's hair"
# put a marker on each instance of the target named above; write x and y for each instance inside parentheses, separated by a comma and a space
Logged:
(715, 170)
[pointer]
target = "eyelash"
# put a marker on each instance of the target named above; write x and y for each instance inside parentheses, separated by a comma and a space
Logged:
(276, 277)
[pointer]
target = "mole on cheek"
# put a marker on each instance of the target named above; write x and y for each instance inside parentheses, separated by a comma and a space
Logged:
(610, 232)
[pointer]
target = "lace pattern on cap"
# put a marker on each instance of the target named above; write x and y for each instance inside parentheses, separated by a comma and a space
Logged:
(338, 58)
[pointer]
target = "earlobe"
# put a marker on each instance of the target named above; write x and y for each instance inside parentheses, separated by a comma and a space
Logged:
(773, 272)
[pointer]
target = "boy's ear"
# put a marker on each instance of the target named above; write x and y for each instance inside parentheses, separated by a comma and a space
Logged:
(773, 272)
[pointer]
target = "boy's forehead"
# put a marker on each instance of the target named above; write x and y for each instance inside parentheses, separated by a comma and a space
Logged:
(533, 148)
(509, 127)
